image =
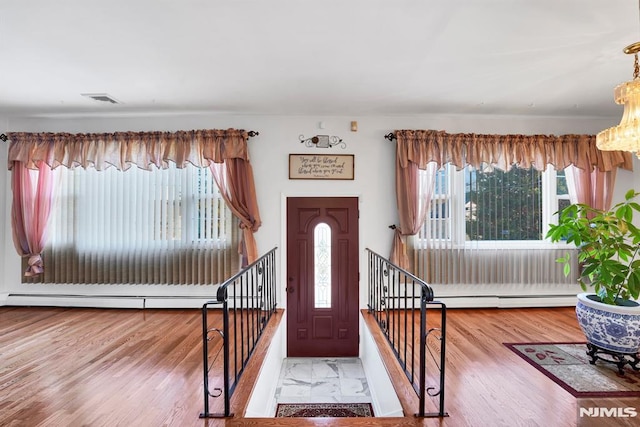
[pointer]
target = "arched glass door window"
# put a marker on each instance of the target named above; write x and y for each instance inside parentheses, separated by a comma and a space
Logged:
(322, 265)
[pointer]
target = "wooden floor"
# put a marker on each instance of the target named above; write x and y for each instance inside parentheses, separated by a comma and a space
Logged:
(111, 367)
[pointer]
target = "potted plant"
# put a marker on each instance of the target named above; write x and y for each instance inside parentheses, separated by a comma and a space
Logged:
(608, 254)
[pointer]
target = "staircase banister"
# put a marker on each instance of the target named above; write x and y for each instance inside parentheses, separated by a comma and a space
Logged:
(427, 290)
(221, 294)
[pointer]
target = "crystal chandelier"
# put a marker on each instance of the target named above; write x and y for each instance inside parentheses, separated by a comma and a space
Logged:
(625, 136)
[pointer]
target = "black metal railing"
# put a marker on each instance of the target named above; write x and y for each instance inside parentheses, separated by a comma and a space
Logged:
(248, 301)
(399, 301)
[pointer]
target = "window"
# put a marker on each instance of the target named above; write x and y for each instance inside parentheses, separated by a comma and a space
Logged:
(168, 226)
(492, 205)
(322, 265)
(487, 226)
(562, 193)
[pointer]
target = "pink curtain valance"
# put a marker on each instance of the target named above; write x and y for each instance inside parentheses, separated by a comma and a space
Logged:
(504, 151)
(123, 149)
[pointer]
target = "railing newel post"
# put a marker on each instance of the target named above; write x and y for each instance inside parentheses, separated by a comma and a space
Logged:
(205, 354)
(225, 355)
(443, 352)
(423, 354)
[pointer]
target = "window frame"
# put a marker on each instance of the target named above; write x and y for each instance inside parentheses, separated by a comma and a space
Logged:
(456, 222)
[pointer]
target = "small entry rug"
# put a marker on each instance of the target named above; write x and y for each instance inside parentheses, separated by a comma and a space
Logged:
(332, 410)
(567, 364)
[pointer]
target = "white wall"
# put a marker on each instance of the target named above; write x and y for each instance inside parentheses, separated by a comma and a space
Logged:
(5, 239)
(373, 183)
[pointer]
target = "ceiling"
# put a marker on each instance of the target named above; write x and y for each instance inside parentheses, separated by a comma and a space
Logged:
(322, 57)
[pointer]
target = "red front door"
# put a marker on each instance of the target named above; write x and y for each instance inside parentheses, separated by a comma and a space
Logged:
(322, 277)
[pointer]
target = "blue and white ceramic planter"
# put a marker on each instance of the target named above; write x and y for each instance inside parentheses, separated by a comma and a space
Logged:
(612, 327)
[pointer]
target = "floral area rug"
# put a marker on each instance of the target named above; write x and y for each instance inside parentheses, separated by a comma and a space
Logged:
(332, 410)
(567, 364)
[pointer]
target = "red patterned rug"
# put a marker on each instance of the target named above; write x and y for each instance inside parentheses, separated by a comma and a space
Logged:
(331, 410)
(567, 364)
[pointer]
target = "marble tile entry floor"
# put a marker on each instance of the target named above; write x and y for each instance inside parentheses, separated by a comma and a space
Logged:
(322, 380)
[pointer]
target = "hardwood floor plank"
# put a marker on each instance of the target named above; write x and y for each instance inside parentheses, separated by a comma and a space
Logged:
(124, 367)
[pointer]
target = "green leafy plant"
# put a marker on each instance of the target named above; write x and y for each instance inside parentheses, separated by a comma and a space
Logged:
(608, 248)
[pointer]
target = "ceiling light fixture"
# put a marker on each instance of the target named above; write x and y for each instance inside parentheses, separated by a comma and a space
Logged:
(625, 136)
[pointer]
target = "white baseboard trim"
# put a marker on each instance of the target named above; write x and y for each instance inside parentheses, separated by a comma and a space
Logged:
(74, 301)
(102, 301)
(175, 302)
(178, 302)
(509, 301)
(551, 301)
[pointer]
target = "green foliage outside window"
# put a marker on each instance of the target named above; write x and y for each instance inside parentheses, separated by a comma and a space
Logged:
(503, 205)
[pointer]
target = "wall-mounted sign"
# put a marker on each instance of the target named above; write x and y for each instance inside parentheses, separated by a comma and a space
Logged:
(320, 166)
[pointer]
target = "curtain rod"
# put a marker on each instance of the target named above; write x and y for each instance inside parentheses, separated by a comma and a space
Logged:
(251, 134)
(390, 136)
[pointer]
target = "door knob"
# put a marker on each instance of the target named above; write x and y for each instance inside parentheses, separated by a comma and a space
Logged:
(290, 289)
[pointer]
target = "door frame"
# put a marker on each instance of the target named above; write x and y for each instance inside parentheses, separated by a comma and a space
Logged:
(282, 294)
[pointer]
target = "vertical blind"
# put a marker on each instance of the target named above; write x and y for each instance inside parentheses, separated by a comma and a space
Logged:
(488, 227)
(158, 226)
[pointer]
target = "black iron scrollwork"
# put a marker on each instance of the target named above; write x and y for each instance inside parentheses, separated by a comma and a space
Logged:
(4, 137)
(323, 141)
(217, 391)
(437, 333)
(396, 294)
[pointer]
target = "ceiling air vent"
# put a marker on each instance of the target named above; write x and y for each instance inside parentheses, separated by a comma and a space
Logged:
(101, 97)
